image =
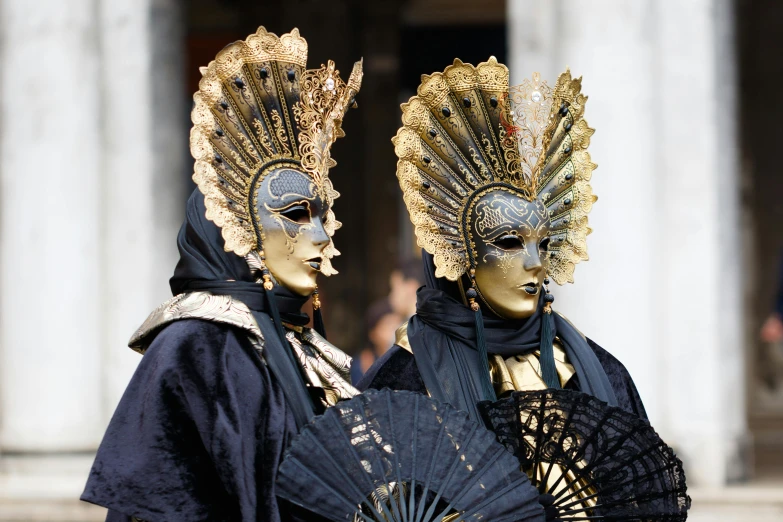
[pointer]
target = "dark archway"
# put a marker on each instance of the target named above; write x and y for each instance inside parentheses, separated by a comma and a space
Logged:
(760, 79)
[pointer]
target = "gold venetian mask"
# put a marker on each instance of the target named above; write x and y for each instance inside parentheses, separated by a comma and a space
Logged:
(292, 213)
(497, 180)
(263, 127)
(510, 246)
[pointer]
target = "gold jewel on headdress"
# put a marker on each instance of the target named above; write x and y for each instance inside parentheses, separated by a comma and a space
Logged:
(257, 109)
(466, 130)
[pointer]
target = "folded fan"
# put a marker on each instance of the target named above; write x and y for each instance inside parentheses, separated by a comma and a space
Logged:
(401, 456)
(590, 460)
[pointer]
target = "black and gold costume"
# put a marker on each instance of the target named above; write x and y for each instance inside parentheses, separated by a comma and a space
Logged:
(230, 372)
(496, 181)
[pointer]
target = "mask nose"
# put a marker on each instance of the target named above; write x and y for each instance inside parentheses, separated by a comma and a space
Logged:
(532, 259)
(320, 237)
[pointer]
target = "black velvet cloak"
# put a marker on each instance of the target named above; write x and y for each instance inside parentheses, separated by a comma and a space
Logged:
(445, 364)
(203, 424)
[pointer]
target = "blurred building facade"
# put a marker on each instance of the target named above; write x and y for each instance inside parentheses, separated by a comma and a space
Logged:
(94, 166)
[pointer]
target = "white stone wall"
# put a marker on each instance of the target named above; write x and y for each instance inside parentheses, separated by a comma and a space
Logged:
(145, 124)
(662, 290)
(85, 236)
(50, 248)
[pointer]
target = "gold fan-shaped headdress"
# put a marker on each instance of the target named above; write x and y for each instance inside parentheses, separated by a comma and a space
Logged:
(466, 130)
(258, 109)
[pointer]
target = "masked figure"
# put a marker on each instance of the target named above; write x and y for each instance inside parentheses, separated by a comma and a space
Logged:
(230, 372)
(496, 181)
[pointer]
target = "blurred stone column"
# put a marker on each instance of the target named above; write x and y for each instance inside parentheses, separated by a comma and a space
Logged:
(93, 145)
(662, 288)
(611, 46)
(145, 168)
(700, 231)
(50, 226)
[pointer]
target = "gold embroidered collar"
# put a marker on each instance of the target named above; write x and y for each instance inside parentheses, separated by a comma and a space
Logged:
(325, 365)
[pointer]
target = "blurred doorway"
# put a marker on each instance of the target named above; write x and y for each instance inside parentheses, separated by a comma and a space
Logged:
(760, 79)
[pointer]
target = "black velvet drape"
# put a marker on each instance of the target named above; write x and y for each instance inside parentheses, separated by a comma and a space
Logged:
(198, 435)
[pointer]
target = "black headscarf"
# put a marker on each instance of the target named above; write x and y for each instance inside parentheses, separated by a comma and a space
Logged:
(205, 266)
(442, 336)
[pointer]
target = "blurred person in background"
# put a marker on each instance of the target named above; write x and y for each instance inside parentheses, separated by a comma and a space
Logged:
(230, 371)
(386, 315)
(772, 329)
(404, 282)
(382, 322)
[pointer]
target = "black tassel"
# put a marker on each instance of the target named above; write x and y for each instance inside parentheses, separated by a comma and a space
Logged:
(486, 382)
(318, 323)
(488, 391)
(318, 318)
(547, 357)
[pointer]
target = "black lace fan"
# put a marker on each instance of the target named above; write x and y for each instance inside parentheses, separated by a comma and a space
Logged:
(590, 461)
(403, 457)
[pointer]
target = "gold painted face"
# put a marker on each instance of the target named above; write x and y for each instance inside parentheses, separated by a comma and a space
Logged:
(509, 246)
(292, 212)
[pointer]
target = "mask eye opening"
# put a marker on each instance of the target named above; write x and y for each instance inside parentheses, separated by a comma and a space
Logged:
(298, 212)
(509, 242)
(544, 245)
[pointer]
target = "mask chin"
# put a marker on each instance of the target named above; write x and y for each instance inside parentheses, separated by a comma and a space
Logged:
(506, 302)
(291, 270)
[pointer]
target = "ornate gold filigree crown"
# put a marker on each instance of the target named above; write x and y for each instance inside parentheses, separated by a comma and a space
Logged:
(466, 129)
(258, 107)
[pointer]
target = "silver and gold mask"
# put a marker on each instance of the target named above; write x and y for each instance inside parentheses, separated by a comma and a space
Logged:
(509, 245)
(496, 180)
(263, 127)
(292, 213)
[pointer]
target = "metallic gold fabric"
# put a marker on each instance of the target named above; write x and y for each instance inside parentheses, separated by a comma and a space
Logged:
(401, 338)
(326, 366)
(523, 372)
(465, 130)
(195, 305)
(518, 373)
